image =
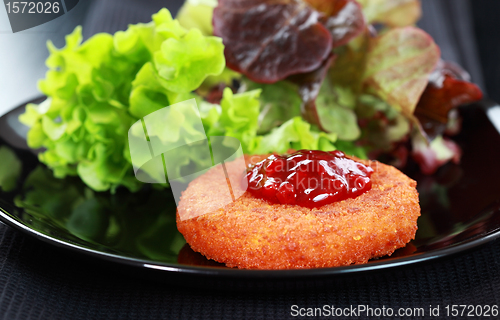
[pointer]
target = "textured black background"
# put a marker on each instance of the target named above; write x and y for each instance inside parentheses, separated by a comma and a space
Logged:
(38, 281)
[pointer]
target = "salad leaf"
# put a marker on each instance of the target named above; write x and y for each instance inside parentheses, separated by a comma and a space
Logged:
(213, 87)
(393, 13)
(147, 94)
(278, 90)
(399, 63)
(210, 114)
(448, 88)
(383, 128)
(268, 40)
(10, 169)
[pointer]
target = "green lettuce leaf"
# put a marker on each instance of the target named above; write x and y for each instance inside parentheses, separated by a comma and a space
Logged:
(226, 77)
(98, 88)
(239, 117)
(184, 64)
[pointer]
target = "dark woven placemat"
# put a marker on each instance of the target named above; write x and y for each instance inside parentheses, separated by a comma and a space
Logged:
(39, 281)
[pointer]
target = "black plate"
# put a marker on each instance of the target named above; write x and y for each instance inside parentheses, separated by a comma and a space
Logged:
(460, 210)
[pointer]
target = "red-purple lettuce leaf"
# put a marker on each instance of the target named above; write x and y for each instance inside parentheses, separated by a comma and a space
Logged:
(439, 99)
(399, 63)
(448, 88)
(343, 18)
(269, 40)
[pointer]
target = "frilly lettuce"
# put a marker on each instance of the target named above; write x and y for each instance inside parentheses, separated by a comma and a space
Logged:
(97, 89)
(184, 63)
(239, 117)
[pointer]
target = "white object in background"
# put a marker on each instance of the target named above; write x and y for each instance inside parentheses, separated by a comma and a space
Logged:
(494, 116)
(23, 55)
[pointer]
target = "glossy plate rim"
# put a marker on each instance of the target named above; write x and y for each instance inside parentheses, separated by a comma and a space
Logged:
(7, 219)
(375, 265)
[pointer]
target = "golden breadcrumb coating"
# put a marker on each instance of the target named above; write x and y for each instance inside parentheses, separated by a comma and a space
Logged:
(252, 233)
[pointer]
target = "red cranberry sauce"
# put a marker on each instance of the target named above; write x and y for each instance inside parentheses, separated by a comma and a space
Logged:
(308, 178)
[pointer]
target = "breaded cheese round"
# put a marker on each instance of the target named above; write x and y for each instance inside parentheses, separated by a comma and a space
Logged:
(252, 233)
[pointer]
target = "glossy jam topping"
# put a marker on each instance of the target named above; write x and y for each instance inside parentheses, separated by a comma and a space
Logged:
(308, 178)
